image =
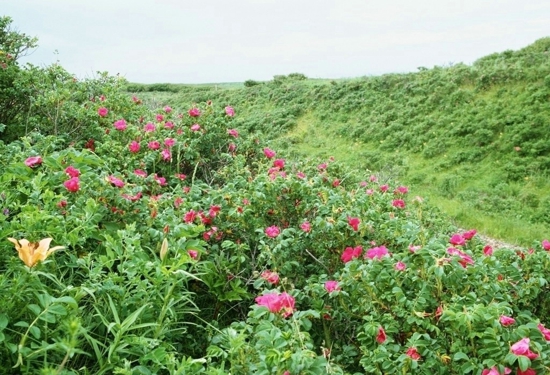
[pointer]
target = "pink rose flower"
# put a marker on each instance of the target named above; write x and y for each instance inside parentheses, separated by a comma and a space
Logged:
(354, 223)
(195, 127)
(140, 173)
(269, 153)
(272, 231)
(159, 118)
(193, 253)
(102, 111)
(545, 331)
(154, 145)
(270, 276)
(331, 286)
(73, 184)
(522, 348)
(546, 244)
(494, 371)
(169, 125)
(381, 337)
(376, 252)
(457, 240)
(398, 203)
(115, 181)
(279, 163)
(233, 132)
(33, 161)
(149, 127)
(134, 147)
(120, 124)
(194, 112)
(277, 303)
(167, 109)
(506, 320)
(468, 235)
(351, 253)
(229, 111)
(169, 142)
(400, 266)
(72, 171)
(305, 226)
(166, 154)
(412, 352)
(488, 250)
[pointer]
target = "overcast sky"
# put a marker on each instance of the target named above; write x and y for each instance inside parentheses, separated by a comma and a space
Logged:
(206, 41)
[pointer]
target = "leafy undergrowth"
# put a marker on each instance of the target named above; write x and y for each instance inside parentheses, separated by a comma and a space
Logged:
(173, 240)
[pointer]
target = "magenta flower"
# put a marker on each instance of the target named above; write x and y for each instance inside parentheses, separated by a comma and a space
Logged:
(229, 111)
(546, 244)
(465, 259)
(384, 188)
(377, 252)
(529, 371)
(233, 132)
(134, 147)
(195, 127)
(33, 161)
(400, 266)
(72, 171)
(370, 192)
(193, 253)
(73, 184)
(277, 303)
(301, 175)
(149, 127)
(305, 226)
(321, 167)
(169, 125)
(494, 371)
(414, 248)
(120, 124)
(159, 118)
(132, 198)
(279, 163)
(214, 210)
(412, 352)
(354, 223)
(140, 173)
(102, 111)
(398, 203)
(166, 154)
(169, 142)
(154, 145)
(194, 112)
(336, 183)
(269, 153)
(331, 286)
(270, 276)
(167, 109)
(190, 216)
(468, 235)
(272, 231)
(160, 180)
(231, 147)
(115, 181)
(401, 190)
(545, 331)
(457, 240)
(522, 348)
(181, 176)
(506, 320)
(381, 337)
(373, 178)
(351, 253)
(488, 250)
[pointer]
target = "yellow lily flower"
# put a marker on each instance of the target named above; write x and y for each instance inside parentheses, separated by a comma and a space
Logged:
(32, 252)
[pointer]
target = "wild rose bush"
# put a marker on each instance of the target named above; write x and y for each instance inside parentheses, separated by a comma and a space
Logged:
(193, 247)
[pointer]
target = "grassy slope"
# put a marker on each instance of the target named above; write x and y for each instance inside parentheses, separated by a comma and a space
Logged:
(473, 140)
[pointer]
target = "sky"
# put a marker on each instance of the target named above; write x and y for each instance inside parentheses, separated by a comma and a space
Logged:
(212, 41)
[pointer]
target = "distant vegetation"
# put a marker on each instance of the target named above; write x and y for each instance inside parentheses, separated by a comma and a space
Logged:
(474, 139)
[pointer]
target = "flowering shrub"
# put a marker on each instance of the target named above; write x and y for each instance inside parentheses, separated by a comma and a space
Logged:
(190, 249)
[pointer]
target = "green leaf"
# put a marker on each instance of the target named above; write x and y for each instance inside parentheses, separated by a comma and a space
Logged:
(460, 356)
(524, 362)
(3, 321)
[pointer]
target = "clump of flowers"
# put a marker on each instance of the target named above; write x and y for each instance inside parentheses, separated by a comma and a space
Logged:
(282, 303)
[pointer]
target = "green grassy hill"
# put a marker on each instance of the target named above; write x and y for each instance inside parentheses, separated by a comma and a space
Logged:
(473, 140)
